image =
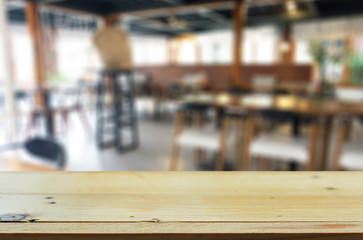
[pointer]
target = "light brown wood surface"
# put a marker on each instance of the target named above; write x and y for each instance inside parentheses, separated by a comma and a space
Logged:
(188, 205)
(313, 107)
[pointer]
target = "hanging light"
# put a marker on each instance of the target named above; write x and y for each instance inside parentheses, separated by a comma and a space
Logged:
(291, 7)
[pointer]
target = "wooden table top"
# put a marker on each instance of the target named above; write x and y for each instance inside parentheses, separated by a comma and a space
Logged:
(284, 103)
(189, 205)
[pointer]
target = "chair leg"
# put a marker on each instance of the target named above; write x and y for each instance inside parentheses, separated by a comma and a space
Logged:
(222, 145)
(348, 130)
(31, 124)
(178, 126)
(239, 123)
(263, 164)
(64, 115)
(197, 123)
(83, 116)
(341, 137)
(249, 132)
(327, 129)
(314, 127)
(199, 156)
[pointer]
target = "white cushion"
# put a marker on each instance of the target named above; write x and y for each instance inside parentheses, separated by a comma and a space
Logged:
(352, 156)
(258, 100)
(145, 104)
(349, 94)
(206, 138)
(280, 146)
(263, 82)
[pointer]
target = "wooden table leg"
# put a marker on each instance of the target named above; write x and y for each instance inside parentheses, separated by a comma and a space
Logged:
(326, 143)
(249, 132)
(222, 144)
(178, 126)
(343, 127)
(348, 129)
(239, 123)
(313, 139)
(198, 122)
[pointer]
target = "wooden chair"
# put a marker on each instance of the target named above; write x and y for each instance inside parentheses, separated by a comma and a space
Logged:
(352, 95)
(199, 137)
(67, 101)
(282, 146)
(35, 154)
(44, 152)
(348, 155)
(264, 83)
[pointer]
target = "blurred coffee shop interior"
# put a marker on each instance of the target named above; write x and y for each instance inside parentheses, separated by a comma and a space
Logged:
(196, 85)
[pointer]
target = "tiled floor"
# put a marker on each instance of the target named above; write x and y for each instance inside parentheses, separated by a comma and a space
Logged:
(152, 155)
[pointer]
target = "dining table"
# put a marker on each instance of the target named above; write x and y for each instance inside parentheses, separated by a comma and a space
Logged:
(321, 111)
(48, 100)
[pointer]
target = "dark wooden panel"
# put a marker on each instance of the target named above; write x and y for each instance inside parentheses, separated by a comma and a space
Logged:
(220, 75)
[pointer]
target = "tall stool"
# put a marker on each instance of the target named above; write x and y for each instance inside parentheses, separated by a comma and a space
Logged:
(115, 112)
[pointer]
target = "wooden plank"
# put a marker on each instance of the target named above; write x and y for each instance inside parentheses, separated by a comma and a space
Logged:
(258, 236)
(239, 22)
(186, 228)
(186, 205)
(212, 197)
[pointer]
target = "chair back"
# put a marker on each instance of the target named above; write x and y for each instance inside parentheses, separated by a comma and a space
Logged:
(195, 81)
(264, 83)
(349, 94)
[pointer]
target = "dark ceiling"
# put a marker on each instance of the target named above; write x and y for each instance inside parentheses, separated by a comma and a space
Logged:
(171, 23)
(104, 7)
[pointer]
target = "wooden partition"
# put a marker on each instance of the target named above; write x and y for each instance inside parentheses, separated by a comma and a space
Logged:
(220, 75)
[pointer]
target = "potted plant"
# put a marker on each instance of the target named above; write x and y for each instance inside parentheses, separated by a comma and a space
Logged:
(318, 50)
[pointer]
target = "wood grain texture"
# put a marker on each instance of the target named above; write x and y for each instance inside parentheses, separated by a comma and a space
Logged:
(184, 205)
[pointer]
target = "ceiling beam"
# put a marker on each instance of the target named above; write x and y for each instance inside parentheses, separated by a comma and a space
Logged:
(173, 2)
(214, 16)
(166, 11)
(272, 2)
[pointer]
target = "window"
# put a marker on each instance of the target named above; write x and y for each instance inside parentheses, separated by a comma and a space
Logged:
(302, 55)
(22, 55)
(148, 50)
(216, 47)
